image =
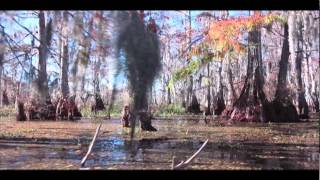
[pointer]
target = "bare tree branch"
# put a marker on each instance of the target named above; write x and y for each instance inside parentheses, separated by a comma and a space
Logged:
(52, 52)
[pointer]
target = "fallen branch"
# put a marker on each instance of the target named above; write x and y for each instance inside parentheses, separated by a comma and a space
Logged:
(91, 145)
(184, 164)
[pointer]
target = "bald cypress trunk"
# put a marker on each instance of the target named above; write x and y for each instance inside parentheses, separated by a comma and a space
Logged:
(252, 104)
(64, 85)
(1, 65)
(40, 106)
(282, 104)
(42, 80)
(220, 105)
(295, 27)
(208, 110)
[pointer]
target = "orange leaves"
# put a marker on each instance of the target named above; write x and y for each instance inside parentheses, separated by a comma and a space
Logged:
(226, 33)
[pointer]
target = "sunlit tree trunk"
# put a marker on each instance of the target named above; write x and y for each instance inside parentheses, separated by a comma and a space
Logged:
(208, 91)
(296, 51)
(311, 43)
(252, 104)
(1, 65)
(1, 91)
(282, 103)
(42, 89)
(190, 79)
(64, 85)
(220, 105)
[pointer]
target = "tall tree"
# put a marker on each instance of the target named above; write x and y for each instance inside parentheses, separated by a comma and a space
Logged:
(296, 50)
(283, 108)
(2, 48)
(64, 60)
(42, 90)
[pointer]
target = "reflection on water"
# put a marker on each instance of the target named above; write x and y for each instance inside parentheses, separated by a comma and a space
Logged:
(117, 149)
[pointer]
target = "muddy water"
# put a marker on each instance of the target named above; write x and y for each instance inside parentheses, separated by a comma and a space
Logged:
(61, 145)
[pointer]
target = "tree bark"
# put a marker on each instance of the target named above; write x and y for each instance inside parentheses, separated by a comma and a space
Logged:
(282, 104)
(190, 83)
(252, 104)
(64, 85)
(40, 106)
(1, 70)
(99, 105)
(208, 110)
(1, 64)
(169, 95)
(194, 106)
(220, 105)
(42, 84)
(296, 50)
(231, 87)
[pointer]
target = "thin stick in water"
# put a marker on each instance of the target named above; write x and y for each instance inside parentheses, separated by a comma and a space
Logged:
(91, 145)
(184, 164)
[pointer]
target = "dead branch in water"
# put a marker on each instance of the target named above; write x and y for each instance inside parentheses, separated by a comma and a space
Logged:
(91, 145)
(184, 164)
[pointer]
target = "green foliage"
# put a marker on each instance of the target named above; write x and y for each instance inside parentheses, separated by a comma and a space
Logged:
(190, 69)
(170, 109)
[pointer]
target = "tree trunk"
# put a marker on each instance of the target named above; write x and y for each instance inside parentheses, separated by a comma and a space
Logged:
(99, 105)
(1, 70)
(98, 102)
(42, 84)
(252, 104)
(189, 90)
(183, 102)
(208, 110)
(1, 64)
(40, 106)
(282, 104)
(231, 87)
(194, 106)
(296, 43)
(220, 105)
(190, 83)
(64, 85)
(64, 43)
(169, 95)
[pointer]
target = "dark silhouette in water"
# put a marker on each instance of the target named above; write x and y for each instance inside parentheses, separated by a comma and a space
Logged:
(140, 47)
